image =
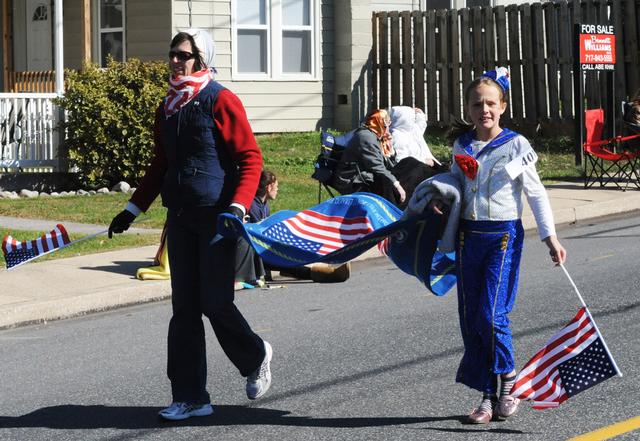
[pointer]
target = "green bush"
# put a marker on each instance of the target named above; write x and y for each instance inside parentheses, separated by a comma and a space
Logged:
(110, 115)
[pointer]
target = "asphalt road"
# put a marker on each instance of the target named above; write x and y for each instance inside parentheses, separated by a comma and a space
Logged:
(370, 359)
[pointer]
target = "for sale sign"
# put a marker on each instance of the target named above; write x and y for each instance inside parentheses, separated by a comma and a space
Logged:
(597, 44)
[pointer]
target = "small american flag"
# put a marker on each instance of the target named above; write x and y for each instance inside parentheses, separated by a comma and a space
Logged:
(16, 253)
(319, 233)
(573, 360)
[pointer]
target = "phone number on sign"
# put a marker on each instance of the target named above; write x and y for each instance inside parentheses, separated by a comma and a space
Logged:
(598, 58)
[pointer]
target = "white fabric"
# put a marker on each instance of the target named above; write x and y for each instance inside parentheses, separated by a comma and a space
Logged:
(407, 134)
(493, 195)
(205, 44)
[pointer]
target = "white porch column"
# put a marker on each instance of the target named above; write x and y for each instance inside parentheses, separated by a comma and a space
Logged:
(58, 61)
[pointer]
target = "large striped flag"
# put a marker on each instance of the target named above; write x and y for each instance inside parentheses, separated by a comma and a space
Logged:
(17, 253)
(342, 228)
(573, 360)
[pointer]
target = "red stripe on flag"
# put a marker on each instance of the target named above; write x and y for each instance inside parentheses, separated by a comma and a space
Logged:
(65, 235)
(300, 229)
(341, 230)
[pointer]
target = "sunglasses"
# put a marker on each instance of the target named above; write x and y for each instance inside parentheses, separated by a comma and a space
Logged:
(180, 55)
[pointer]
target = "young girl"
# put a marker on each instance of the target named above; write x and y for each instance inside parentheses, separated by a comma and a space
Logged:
(494, 166)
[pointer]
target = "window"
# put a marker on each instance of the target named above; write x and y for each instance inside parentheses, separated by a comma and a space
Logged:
(438, 4)
(111, 30)
(275, 39)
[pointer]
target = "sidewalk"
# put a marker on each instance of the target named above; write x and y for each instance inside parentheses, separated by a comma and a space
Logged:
(42, 291)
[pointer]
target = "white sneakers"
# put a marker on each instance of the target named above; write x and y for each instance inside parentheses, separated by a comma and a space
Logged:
(182, 411)
(258, 382)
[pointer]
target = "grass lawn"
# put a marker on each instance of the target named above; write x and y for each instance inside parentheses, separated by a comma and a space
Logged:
(290, 156)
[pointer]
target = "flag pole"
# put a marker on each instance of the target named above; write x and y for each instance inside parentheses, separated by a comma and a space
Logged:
(91, 236)
(606, 348)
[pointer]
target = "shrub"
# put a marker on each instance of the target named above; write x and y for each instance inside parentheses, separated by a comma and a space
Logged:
(110, 115)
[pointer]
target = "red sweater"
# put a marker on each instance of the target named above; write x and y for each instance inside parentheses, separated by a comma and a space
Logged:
(235, 135)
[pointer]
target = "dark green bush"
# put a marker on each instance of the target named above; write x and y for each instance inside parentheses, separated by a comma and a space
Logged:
(110, 115)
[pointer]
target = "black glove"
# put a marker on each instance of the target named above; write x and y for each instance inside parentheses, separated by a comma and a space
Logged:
(121, 222)
(236, 211)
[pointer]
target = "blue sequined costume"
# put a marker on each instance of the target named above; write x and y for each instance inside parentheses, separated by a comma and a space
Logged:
(488, 251)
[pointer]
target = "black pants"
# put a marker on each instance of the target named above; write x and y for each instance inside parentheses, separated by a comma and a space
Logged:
(202, 276)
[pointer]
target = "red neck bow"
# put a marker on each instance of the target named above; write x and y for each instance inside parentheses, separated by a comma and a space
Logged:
(468, 165)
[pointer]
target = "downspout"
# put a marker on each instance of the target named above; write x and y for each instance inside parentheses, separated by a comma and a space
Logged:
(58, 60)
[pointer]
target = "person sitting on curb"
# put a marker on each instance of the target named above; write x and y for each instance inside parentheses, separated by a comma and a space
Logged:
(252, 270)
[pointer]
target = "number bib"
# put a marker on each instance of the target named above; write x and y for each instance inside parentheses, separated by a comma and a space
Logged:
(517, 165)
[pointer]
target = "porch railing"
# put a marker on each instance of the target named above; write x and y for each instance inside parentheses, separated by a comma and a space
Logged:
(27, 137)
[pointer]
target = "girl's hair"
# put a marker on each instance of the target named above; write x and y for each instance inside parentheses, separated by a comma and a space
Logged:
(266, 178)
(181, 37)
(460, 126)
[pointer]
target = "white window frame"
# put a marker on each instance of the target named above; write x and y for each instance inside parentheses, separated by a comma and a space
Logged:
(98, 31)
(275, 28)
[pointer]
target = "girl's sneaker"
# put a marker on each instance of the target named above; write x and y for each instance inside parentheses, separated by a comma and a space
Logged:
(479, 416)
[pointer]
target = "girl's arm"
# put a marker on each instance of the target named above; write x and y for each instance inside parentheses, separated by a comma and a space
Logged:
(539, 202)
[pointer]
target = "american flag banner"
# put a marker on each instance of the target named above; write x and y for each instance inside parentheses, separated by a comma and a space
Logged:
(342, 228)
(319, 233)
(573, 360)
(17, 253)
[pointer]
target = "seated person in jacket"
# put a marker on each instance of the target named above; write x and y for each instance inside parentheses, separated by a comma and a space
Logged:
(369, 163)
(250, 269)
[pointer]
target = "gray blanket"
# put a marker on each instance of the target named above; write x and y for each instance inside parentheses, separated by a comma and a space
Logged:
(443, 186)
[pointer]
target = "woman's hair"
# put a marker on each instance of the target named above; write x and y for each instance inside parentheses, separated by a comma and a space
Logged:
(460, 126)
(266, 178)
(180, 38)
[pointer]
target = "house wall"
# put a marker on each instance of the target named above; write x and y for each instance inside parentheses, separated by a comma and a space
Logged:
(395, 5)
(148, 29)
(72, 23)
(272, 106)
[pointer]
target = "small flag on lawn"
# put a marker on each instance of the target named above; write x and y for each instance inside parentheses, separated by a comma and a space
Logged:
(16, 253)
(574, 359)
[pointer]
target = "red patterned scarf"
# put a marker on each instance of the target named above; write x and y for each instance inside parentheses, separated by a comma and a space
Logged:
(184, 88)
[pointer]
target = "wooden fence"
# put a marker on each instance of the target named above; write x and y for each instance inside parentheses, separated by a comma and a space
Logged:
(424, 59)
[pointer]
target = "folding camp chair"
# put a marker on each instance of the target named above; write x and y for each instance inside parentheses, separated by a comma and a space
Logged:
(602, 164)
(331, 148)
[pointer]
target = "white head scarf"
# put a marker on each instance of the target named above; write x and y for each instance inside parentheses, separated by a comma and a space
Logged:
(407, 134)
(205, 45)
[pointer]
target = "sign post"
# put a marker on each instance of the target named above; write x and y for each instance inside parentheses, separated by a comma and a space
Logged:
(594, 50)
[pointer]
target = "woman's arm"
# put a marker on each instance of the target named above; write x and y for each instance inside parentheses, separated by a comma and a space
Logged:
(233, 125)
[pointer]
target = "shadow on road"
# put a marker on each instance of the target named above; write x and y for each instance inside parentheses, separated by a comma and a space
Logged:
(72, 416)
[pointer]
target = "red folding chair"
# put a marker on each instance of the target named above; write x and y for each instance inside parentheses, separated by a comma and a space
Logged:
(602, 164)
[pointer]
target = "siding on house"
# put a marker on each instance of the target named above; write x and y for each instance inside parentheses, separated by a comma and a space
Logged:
(148, 29)
(72, 23)
(272, 106)
(395, 5)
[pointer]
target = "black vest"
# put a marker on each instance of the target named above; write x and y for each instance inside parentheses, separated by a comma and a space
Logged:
(200, 170)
